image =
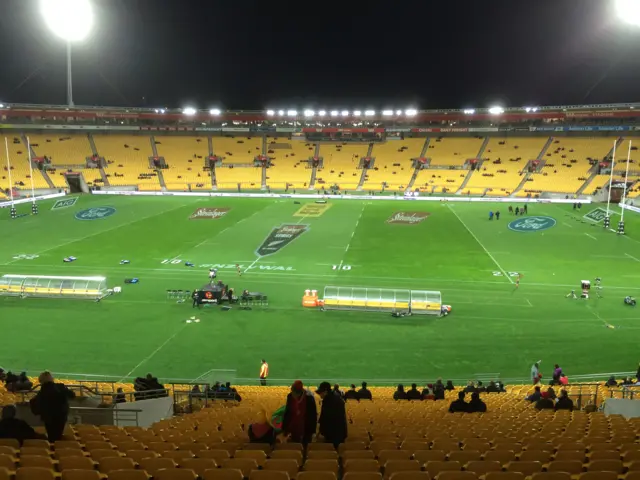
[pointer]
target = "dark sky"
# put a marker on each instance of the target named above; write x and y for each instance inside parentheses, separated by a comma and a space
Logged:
(250, 54)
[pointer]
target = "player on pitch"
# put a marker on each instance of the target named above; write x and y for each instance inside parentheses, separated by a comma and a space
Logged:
(238, 269)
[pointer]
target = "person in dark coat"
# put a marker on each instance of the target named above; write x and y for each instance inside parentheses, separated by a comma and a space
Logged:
(300, 415)
(449, 387)
(414, 393)
(439, 389)
(564, 402)
(52, 405)
(459, 405)
(333, 416)
(364, 393)
(11, 427)
(476, 405)
(351, 394)
(400, 394)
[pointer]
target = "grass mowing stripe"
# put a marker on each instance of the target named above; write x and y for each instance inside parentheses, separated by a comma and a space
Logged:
(480, 243)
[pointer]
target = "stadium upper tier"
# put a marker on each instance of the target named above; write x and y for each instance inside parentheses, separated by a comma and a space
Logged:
(567, 164)
(289, 162)
(453, 150)
(504, 160)
(392, 166)
(128, 160)
(185, 159)
(341, 162)
(19, 159)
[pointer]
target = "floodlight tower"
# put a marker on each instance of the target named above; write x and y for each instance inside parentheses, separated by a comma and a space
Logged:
(628, 11)
(70, 20)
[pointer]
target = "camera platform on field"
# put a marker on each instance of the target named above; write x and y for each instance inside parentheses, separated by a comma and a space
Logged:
(415, 302)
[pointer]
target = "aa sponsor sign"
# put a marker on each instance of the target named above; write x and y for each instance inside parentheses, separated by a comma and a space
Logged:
(408, 218)
(64, 203)
(210, 213)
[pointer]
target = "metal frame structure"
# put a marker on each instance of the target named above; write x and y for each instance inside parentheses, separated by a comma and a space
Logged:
(42, 286)
(421, 302)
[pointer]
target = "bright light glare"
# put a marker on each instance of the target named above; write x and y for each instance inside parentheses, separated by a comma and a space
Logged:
(387, 113)
(369, 113)
(214, 111)
(628, 11)
(1, 105)
(410, 112)
(496, 110)
(345, 113)
(189, 111)
(468, 111)
(292, 113)
(322, 113)
(309, 113)
(357, 113)
(71, 20)
(334, 113)
(398, 112)
(280, 112)
(271, 113)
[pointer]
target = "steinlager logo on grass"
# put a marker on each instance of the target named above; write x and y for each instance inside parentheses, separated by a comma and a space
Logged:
(312, 210)
(279, 238)
(64, 203)
(210, 213)
(596, 215)
(532, 224)
(410, 218)
(95, 213)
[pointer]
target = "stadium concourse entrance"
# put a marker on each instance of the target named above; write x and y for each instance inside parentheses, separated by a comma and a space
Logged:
(415, 302)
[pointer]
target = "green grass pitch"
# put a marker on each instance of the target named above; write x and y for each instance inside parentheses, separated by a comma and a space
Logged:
(456, 250)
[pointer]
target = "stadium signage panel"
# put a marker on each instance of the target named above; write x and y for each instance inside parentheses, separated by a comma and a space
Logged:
(95, 213)
(312, 210)
(586, 128)
(532, 224)
(409, 218)
(64, 203)
(210, 213)
(596, 215)
(279, 238)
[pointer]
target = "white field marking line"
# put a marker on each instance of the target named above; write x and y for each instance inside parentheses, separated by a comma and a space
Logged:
(591, 236)
(301, 219)
(480, 243)
(252, 264)
(354, 230)
(207, 239)
(580, 218)
(77, 239)
(567, 225)
(529, 302)
(632, 257)
(597, 315)
(152, 354)
(620, 257)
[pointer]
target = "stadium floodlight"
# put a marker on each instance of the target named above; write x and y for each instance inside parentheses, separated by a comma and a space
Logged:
(369, 113)
(387, 113)
(322, 113)
(334, 113)
(189, 111)
(214, 111)
(344, 113)
(280, 112)
(357, 113)
(309, 113)
(271, 113)
(72, 21)
(398, 112)
(628, 11)
(411, 112)
(527, 109)
(292, 113)
(468, 111)
(496, 110)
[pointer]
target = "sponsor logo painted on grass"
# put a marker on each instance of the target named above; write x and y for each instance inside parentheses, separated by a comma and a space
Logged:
(26, 256)
(532, 224)
(597, 215)
(64, 203)
(410, 218)
(211, 213)
(500, 274)
(95, 213)
(231, 266)
(312, 210)
(279, 238)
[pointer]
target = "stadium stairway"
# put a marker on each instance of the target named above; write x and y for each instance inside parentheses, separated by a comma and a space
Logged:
(363, 175)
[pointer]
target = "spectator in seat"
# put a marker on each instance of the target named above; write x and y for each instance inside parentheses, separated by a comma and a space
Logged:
(427, 393)
(300, 415)
(337, 391)
(438, 390)
(10, 381)
(564, 402)
(11, 427)
(550, 393)
(476, 405)
(449, 386)
(3, 376)
(611, 382)
(470, 388)
(545, 403)
(120, 396)
(351, 394)
(333, 416)
(563, 380)
(261, 431)
(364, 393)
(492, 387)
(52, 405)
(400, 394)
(459, 405)
(414, 394)
(535, 396)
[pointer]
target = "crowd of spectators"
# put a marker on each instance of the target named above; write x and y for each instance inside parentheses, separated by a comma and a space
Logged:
(15, 383)
(218, 391)
(149, 387)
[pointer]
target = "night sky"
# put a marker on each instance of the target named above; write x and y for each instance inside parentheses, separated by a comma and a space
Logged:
(249, 54)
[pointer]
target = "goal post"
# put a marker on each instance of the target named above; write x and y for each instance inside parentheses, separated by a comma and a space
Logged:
(421, 302)
(43, 286)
